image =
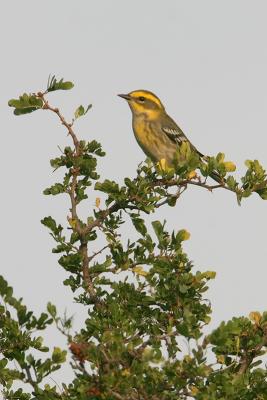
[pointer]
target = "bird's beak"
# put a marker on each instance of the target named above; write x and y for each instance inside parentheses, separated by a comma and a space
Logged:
(125, 96)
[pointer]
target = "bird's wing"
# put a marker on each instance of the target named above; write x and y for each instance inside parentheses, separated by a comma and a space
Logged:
(176, 135)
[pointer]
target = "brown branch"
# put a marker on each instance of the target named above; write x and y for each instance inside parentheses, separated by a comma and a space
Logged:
(104, 214)
(131, 396)
(248, 357)
(85, 270)
(176, 182)
(73, 209)
(160, 182)
(171, 196)
(83, 249)
(55, 110)
(116, 395)
(74, 171)
(246, 360)
(98, 252)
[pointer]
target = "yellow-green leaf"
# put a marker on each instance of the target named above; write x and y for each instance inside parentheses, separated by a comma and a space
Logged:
(229, 166)
(255, 316)
(184, 234)
(139, 271)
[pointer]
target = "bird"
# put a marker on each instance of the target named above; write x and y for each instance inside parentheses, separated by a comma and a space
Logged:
(156, 132)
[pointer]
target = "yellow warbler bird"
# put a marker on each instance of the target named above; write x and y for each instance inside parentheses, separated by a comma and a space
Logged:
(155, 131)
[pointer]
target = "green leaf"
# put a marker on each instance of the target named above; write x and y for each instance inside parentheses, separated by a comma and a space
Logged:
(86, 164)
(3, 363)
(229, 166)
(53, 84)
(23, 111)
(220, 157)
(183, 288)
(50, 223)
(172, 200)
(59, 356)
(26, 103)
(95, 148)
(182, 235)
(81, 111)
(158, 229)
(139, 224)
(55, 189)
(30, 359)
(209, 274)
(262, 193)
(107, 186)
(52, 310)
(3, 286)
(231, 182)
(71, 262)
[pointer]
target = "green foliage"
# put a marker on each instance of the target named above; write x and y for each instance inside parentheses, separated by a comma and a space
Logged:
(26, 103)
(53, 84)
(146, 302)
(18, 339)
(255, 179)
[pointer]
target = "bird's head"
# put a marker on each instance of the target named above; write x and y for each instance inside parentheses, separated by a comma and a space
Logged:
(144, 102)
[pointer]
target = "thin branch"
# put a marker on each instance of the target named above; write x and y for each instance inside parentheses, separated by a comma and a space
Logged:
(71, 132)
(116, 395)
(160, 182)
(80, 366)
(176, 182)
(172, 196)
(29, 377)
(104, 214)
(85, 270)
(74, 171)
(98, 252)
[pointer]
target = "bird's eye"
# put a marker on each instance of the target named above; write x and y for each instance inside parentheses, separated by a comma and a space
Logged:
(141, 99)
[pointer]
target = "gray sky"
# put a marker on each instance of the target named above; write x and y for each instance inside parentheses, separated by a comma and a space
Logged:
(206, 60)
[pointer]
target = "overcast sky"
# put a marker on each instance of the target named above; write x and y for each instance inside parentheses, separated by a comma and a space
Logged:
(206, 60)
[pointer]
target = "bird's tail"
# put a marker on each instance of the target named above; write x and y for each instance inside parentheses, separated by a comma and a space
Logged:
(214, 175)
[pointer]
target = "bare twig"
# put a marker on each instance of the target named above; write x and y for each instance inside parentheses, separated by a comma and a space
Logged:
(47, 106)
(98, 252)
